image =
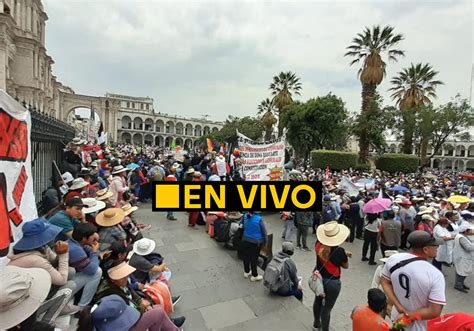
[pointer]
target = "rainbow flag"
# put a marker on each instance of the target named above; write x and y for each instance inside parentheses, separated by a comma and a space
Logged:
(210, 145)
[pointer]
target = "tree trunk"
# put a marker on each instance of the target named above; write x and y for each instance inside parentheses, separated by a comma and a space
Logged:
(268, 133)
(424, 149)
(280, 124)
(368, 92)
(408, 131)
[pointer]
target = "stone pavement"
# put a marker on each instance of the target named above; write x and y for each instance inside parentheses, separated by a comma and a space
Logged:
(215, 295)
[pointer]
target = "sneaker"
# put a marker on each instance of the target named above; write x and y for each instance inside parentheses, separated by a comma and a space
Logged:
(364, 259)
(70, 310)
(306, 249)
(256, 278)
(466, 287)
(298, 247)
(461, 289)
(247, 274)
(175, 300)
(178, 321)
(172, 218)
(372, 263)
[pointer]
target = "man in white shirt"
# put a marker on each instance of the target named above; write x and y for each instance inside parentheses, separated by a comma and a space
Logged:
(414, 286)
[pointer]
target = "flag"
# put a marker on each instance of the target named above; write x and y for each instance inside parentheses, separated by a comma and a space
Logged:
(210, 145)
(173, 144)
(102, 139)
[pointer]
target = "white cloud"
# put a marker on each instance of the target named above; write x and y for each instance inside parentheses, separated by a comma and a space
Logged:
(219, 58)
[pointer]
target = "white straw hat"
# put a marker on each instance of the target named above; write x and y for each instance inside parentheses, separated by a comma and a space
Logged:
(92, 205)
(78, 183)
(332, 233)
(144, 246)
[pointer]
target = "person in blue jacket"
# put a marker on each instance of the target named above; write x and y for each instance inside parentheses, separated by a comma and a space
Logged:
(254, 236)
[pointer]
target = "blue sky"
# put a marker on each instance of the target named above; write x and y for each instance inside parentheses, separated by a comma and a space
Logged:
(218, 58)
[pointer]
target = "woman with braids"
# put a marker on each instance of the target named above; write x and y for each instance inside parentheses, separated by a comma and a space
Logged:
(329, 260)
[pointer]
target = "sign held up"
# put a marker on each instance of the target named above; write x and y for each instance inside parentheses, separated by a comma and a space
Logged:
(240, 196)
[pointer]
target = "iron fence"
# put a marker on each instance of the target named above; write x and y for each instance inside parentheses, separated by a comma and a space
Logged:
(48, 138)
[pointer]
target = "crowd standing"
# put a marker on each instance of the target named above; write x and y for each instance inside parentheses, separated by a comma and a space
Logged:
(89, 254)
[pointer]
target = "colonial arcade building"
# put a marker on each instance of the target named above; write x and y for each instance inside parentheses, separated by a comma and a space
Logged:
(139, 123)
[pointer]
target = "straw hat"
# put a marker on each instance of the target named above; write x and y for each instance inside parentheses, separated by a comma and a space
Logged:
(234, 215)
(388, 253)
(120, 271)
(119, 169)
(78, 183)
(197, 174)
(428, 217)
(67, 177)
(110, 217)
(425, 210)
(103, 194)
(144, 246)
(190, 170)
(332, 234)
(92, 205)
(128, 209)
(22, 291)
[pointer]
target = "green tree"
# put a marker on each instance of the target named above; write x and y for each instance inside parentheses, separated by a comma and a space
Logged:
(283, 88)
(446, 122)
(320, 123)
(368, 48)
(252, 127)
(267, 108)
(413, 88)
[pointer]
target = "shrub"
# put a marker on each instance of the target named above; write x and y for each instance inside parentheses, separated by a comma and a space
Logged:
(397, 163)
(362, 167)
(335, 159)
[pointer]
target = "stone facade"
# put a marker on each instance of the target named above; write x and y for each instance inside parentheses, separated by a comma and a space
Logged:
(137, 122)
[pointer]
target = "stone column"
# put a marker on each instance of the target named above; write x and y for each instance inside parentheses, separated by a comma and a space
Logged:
(3, 68)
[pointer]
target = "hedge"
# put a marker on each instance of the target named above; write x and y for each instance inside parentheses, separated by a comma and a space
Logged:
(336, 160)
(397, 163)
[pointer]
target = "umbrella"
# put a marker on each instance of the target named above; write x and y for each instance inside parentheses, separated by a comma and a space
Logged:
(133, 166)
(377, 205)
(459, 199)
(399, 188)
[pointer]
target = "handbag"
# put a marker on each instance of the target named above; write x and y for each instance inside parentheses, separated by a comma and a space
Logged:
(315, 283)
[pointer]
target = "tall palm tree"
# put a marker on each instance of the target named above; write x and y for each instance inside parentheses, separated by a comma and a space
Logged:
(414, 87)
(368, 48)
(267, 108)
(283, 88)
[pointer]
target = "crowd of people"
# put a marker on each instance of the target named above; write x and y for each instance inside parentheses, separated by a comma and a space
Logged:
(88, 254)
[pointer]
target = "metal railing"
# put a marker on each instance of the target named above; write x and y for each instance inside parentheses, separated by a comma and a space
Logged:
(48, 138)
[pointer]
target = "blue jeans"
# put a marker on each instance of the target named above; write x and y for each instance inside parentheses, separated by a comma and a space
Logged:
(89, 284)
(322, 307)
(294, 291)
(169, 214)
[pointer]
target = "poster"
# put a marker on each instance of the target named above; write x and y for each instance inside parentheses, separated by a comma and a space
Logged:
(262, 162)
(17, 201)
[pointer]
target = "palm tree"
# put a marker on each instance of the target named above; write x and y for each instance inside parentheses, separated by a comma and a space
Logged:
(267, 108)
(368, 48)
(413, 88)
(284, 86)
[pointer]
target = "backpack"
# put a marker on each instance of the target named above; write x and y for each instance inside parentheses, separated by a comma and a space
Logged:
(273, 275)
(329, 213)
(221, 230)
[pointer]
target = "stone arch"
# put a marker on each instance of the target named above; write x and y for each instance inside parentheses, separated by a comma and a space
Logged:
(461, 151)
(137, 123)
(188, 144)
(215, 129)
(470, 165)
(179, 128)
(159, 141)
(436, 163)
(448, 150)
(198, 131)
(188, 131)
(159, 126)
(149, 125)
(393, 148)
(168, 141)
(447, 164)
(126, 138)
(126, 122)
(179, 142)
(470, 151)
(170, 127)
(138, 139)
(148, 139)
(458, 165)
(197, 143)
(206, 130)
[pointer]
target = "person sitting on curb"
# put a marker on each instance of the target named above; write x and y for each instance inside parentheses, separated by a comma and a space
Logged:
(284, 274)
(370, 317)
(68, 218)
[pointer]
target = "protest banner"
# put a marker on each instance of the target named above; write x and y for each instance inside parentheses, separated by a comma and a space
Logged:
(17, 201)
(262, 162)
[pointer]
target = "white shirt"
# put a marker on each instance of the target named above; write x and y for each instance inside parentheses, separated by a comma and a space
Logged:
(415, 285)
(444, 251)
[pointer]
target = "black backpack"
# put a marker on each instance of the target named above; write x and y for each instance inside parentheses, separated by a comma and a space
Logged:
(222, 230)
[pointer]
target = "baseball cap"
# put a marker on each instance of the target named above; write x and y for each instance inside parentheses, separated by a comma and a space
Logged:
(287, 247)
(419, 239)
(74, 202)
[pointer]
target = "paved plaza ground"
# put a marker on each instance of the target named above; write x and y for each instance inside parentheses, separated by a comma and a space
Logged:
(217, 297)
